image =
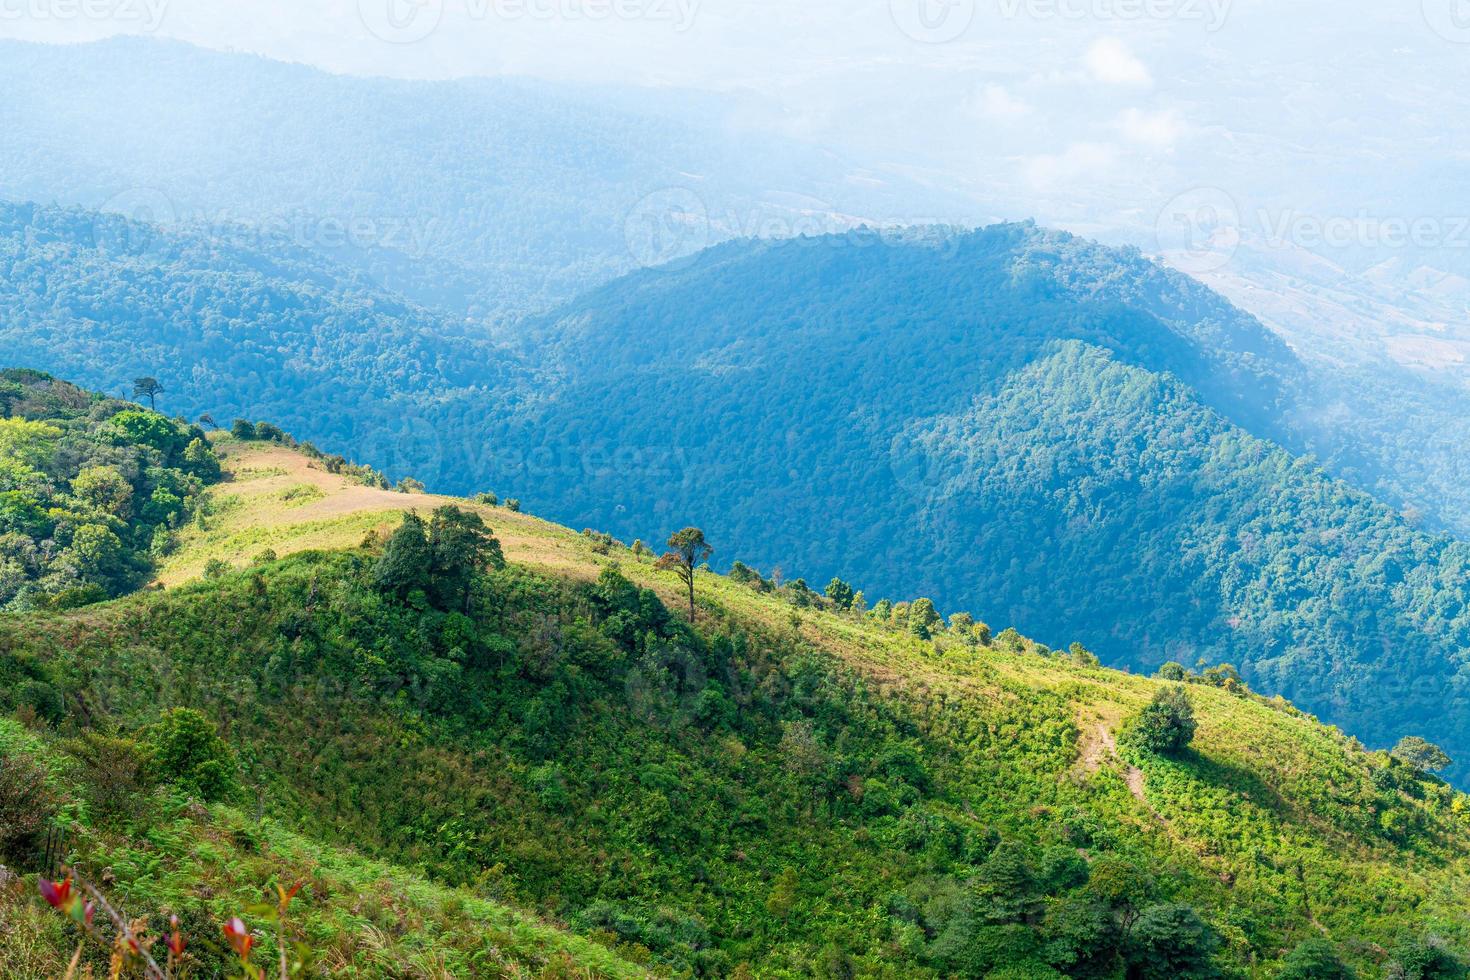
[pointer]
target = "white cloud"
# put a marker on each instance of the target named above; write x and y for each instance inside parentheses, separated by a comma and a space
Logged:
(1155, 130)
(1110, 62)
(997, 103)
(1076, 162)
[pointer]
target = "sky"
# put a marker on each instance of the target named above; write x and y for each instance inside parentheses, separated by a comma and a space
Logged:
(1185, 125)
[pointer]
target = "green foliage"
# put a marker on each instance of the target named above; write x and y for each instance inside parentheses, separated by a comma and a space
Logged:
(1426, 957)
(28, 803)
(185, 750)
(1166, 726)
(922, 619)
(681, 791)
(1315, 959)
(1170, 942)
(840, 593)
(88, 487)
(1423, 756)
(404, 567)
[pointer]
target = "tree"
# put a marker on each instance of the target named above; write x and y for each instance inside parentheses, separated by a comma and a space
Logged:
(782, 899)
(1224, 675)
(1167, 725)
(186, 750)
(1082, 656)
(404, 566)
(1172, 671)
(460, 547)
(1421, 755)
(201, 461)
(148, 388)
(687, 551)
(1171, 942)
(923, 619)
(104, 488)
(1425, 958)
(840, 593)
(207, 421)
(1315, 959)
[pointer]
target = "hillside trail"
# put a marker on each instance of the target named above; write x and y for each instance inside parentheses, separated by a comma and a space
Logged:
(1098, 747)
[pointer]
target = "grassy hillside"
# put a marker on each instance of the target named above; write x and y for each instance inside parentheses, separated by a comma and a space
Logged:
(784, 790)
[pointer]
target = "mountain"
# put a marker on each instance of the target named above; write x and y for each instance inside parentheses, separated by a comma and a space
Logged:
(1012, 420)
(234, 323)
(479, 196)
(781, 788)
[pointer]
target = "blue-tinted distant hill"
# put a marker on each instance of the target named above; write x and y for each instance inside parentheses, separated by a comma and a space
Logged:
(478, 196)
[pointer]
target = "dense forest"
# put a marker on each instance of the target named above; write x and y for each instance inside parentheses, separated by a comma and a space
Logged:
(886, 390)
(92, 490)
(789, 786)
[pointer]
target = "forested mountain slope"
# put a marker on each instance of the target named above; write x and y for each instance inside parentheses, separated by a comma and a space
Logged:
(478, 195)
(1015, 421)
(863, 405)
(234, 324)
(784, 789)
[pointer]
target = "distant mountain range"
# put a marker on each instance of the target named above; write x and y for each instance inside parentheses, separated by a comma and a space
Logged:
(479, 196)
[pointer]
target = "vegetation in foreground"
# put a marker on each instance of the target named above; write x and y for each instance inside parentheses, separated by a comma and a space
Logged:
(450, 709)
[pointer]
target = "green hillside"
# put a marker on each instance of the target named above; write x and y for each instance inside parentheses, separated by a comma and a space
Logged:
(861, 405)
(783, 788)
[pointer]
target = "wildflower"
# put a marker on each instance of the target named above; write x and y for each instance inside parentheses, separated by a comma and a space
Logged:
(288, 893)
(239, 937)
(58, 896)
(176, 941)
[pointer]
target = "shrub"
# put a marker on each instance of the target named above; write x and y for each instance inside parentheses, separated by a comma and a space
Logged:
(1425, 957)
(1424, 756)
(1171, 942)
(1315, 959)
(27, 805)
(1166, 726)
(116, 773)
(44, 699)
(187, 752)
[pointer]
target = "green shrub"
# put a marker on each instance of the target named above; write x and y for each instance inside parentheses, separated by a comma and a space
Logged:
(1166, 726)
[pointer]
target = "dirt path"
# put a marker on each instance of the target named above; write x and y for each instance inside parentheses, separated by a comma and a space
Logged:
(1098, 746)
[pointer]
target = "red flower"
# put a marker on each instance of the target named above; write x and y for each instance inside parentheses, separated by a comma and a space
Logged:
(57, 896)
(176, 941)
(288, 893)
(239, 937)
